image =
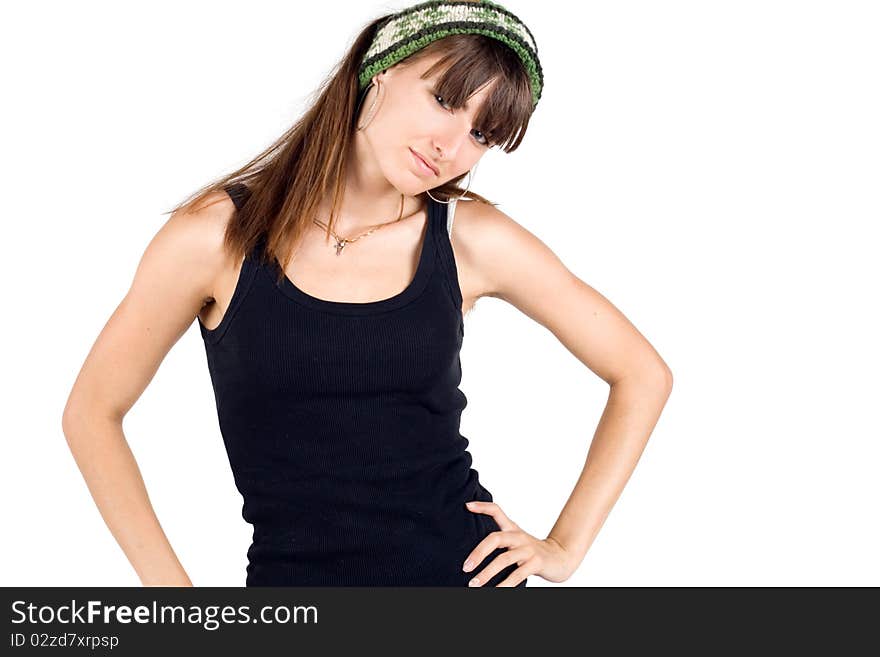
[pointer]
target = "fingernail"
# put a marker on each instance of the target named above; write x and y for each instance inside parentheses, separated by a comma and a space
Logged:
(468, 565)
(474, 582)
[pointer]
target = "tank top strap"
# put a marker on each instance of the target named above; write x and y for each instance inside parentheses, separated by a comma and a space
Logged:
(439, 215)
(238, 192)
(450, 213)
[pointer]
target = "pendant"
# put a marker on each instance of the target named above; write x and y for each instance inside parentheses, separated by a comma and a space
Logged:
(340, 244)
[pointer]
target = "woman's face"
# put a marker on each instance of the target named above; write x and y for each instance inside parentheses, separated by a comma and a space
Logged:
(409, 117)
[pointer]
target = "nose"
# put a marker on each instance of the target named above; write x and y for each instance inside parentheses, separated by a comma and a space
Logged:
(448, 141)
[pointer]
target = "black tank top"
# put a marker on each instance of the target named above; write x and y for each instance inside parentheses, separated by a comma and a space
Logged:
(341, 423)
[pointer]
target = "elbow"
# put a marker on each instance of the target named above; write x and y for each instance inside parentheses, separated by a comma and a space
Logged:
(657, 376)
(75, 418)
(71, 418)
(667, 379)
(661, 377)
(81, 419)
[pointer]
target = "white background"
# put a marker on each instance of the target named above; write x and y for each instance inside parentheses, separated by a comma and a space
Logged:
(711, 168)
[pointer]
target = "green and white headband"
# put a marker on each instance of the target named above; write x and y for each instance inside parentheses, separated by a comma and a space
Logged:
(413, 28)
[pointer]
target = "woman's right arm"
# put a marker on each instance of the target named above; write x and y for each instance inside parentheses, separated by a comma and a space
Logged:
(173, 281)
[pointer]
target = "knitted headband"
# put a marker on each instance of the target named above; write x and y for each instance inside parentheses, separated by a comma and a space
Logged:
(413, 28)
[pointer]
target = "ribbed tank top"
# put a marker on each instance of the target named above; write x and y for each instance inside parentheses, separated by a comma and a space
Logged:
(341, 424)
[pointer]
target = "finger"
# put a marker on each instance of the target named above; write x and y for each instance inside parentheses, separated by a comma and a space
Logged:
(484, 548)
(492, 509)
(497, 564)
(501, 539)
(516, 577)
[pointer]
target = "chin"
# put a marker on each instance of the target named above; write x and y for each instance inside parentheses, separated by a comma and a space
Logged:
(407, 183)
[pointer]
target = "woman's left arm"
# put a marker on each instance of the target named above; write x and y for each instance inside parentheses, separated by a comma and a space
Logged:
(514, 265)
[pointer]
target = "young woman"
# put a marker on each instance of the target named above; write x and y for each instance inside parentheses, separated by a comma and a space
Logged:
(329, 282)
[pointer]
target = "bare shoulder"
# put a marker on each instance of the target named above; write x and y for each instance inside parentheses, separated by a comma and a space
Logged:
(197, 236)
(491, 248)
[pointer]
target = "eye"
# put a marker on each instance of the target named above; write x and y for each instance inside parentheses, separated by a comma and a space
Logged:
(441, 98)
(480, 137)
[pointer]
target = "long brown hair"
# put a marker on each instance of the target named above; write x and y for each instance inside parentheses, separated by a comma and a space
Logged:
(287, 181)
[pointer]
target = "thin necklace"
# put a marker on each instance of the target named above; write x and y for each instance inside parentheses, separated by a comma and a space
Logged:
(342, 241)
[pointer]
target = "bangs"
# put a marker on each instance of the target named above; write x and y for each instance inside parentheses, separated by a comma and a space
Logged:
(472, 62)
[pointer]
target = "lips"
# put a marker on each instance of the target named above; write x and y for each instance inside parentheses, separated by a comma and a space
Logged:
(427, 164)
